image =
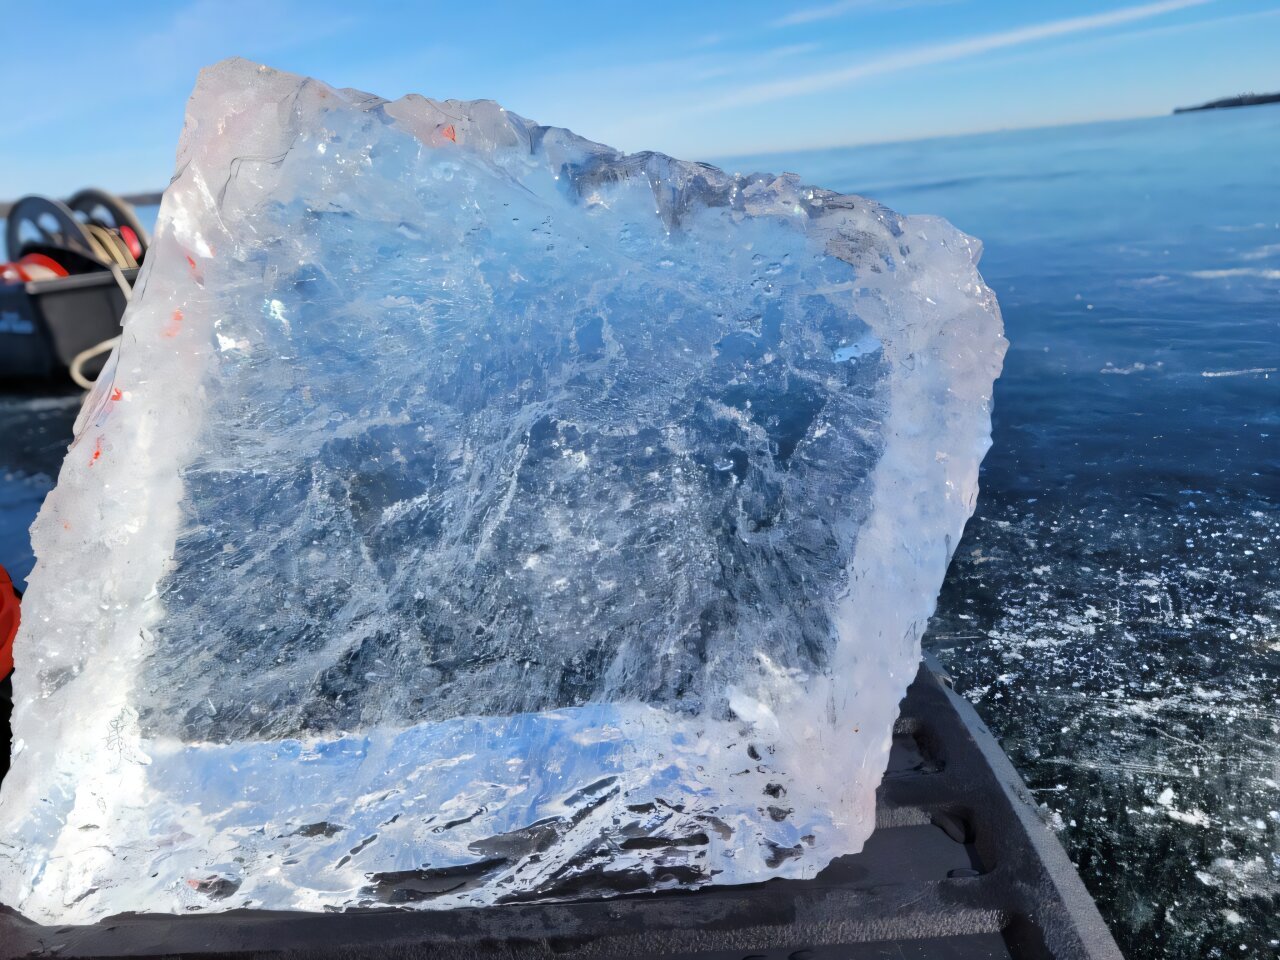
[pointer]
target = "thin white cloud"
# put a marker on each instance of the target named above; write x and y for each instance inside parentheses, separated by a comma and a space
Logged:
(943, 52)
(832, 10)
(753, 63)
(1131, 36)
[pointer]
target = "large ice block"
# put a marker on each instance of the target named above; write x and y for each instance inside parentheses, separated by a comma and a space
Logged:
(473, 513)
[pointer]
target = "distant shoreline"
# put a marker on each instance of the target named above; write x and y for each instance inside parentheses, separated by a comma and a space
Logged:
(1244, 100)
(135, 199)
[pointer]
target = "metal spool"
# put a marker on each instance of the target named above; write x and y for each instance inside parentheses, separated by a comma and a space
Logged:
(109, 211)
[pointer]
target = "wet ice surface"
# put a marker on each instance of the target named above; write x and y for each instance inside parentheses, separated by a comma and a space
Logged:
(1136, 690)
(472, 513)
(34, 431)
(1114, 610)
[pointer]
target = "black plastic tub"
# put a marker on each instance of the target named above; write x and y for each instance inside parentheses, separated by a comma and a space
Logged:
(44, 324)
(960, 867)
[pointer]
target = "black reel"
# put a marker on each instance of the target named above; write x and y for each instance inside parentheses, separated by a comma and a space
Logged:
(94, 224)
(38, 221)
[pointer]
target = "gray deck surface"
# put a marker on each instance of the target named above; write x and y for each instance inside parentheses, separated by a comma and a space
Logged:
(960, 867)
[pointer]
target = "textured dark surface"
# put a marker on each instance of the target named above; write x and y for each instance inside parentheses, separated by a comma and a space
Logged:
(960, 866)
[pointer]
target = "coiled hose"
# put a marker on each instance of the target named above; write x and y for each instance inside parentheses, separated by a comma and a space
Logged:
(112, 250)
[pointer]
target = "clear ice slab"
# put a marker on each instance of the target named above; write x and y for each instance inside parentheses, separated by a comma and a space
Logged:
(474, 513)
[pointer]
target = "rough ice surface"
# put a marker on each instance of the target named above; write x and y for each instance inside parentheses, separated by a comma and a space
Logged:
(473, 513)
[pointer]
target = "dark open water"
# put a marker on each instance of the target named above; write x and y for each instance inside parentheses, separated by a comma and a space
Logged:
(1114, 610)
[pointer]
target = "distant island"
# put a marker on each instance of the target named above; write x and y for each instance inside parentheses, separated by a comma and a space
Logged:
(1244, 100)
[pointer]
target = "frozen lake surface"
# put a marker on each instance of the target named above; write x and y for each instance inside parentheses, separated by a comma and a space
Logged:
(1114, 609)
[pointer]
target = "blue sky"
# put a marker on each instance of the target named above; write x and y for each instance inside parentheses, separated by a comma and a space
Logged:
(95, 95)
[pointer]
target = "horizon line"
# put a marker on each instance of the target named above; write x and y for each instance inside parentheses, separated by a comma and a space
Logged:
(139, 193)
(986, 131)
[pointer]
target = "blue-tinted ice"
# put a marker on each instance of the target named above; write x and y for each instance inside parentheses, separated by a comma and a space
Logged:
(475, 513)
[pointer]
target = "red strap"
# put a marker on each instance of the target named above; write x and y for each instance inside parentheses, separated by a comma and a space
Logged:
(13, 273)
(40, 260)
(10, 616)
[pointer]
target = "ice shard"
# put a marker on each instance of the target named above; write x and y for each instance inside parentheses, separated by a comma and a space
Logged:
(474, 513)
